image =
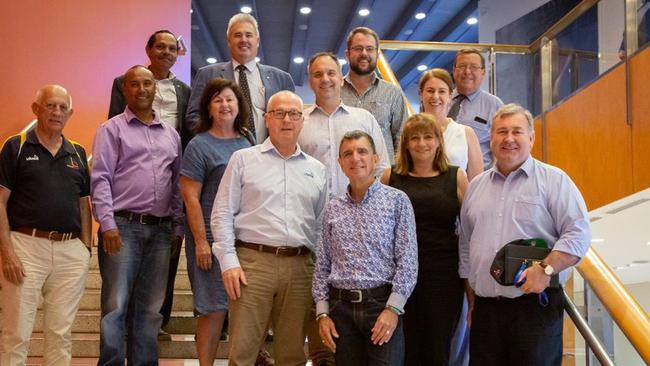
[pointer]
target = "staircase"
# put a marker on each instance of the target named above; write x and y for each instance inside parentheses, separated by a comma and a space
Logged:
(85, 329)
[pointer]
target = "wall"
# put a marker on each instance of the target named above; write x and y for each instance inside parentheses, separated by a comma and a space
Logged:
(81, 45)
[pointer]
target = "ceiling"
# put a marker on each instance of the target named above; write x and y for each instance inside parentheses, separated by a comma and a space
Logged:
(286, 33)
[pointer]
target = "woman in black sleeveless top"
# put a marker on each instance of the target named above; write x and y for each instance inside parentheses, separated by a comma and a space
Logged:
(436, 190)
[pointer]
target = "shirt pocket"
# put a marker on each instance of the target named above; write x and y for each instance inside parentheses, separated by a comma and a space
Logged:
(529, 213)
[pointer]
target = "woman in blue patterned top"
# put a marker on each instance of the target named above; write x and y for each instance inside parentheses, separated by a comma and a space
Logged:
(220, 133)
(436, 191)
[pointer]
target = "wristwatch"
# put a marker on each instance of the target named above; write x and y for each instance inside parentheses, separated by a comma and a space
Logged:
(548, 269)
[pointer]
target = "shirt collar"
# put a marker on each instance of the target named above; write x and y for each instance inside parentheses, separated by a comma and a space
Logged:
(471, 96)
(315, 107)
(267, 146)
(250, 65)
(374, 187)
(525, 168)
(33, 139)
(130, 117)
(348, 80)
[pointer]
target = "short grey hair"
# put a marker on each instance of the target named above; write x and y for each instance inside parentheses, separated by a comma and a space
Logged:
(243, 18)
(40, 93)
(514, 108)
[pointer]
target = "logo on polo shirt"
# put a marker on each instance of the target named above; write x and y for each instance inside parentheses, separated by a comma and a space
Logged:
(32, 158)
(73, 164)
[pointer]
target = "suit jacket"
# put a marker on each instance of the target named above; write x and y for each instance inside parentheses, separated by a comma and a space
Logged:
(118, 104)
(274, 80)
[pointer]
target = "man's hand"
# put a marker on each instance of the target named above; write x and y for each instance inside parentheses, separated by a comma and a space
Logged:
(327, 330)
(231, 280)
(12, 268)
(112, 241)
(384, 327)
(536, 280)
(177, 242)
(203, 255)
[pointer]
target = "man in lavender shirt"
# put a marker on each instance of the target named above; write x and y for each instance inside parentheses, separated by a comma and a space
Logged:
(136, 200)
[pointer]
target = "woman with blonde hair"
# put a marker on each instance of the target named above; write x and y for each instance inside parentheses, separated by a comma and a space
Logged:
(461, 143)
(436, 190)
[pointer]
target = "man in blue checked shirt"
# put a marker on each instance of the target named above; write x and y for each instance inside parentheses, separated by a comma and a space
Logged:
(366, 267)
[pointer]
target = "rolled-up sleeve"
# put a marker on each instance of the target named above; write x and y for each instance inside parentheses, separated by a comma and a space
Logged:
(569, 211)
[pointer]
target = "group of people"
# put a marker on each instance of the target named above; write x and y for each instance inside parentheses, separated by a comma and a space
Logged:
(345, 222)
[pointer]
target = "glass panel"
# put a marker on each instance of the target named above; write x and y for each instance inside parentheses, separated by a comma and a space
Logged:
(518, 80)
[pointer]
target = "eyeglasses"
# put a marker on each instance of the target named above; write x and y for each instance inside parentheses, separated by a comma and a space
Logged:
(51, 107)
(359, 49)
(471, 68)
(280, 114)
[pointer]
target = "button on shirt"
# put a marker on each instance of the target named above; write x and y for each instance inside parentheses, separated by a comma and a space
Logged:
(266, 199)
(535, 201)
(479, 105)
(367, 244)
(385, 102)
(257, 90)
(136, 168)
(322, 134)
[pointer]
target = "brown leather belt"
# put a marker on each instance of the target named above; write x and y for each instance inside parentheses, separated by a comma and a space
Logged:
(281, 251)
(143, 219)
(50, 235)
(362, 295)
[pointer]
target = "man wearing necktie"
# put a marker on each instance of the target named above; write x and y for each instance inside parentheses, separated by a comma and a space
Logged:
(258, 82)
(471, 105)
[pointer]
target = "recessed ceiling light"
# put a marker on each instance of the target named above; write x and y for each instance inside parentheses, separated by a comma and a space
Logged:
(298, 60)
(257, 59)
(408, 32)
(191, 11)
(364, 12)
(303, 27)
(422, 67)
(246, 9)
(343, 61)
(420, 16)
(305, 10)
(211, 60)
(472, 20)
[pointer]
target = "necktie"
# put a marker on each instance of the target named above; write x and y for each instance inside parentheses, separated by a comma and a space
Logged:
(243, 85)
(455, 108)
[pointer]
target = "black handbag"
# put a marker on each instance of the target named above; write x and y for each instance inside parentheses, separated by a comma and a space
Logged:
(509, 259)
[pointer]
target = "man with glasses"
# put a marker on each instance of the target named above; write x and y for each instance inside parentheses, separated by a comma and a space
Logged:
(362, 88)
(266, 224)
(45, 231)
(258, 82)
(471, 105)
(329, 119)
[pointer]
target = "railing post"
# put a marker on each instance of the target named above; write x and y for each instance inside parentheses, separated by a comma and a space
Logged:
(493, 71)
(546, 72)
(631, 45)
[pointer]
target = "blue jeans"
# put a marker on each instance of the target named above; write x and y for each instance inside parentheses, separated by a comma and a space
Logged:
(134, 281)
(354, 322)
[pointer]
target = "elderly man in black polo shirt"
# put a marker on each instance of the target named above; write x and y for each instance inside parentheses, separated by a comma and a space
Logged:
(45, 225)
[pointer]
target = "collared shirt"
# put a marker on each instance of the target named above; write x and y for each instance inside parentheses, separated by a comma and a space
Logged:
(535, 201)
(45, 189)
(136, 168)
(385, 102)
(165, 101)
(322, 134)
(477, 111)
(367, 244)
(256, 87)
(266, 199)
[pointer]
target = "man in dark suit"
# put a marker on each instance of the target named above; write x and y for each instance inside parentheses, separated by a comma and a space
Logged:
(171, 100)
(170, 105)
(257, 81)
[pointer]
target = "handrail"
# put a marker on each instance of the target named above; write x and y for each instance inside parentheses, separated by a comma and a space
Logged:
(621, 305)
(388, 75)
(594, 344)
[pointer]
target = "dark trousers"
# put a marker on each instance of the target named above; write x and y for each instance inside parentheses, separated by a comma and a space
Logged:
(166, 309)
(517, 331)
(354, 323)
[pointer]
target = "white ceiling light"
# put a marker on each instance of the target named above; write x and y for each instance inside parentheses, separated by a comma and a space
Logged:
(305, 10)
(364, 12)
(420, 16)
(343, 61)
(408, 32)
(298, 60)
(246, 9)
(472, 20)
(422, 67)
(211, 60)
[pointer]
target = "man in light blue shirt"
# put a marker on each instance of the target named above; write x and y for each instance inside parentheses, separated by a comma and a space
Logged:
(266, 222)
(472, 106)
(519, 198)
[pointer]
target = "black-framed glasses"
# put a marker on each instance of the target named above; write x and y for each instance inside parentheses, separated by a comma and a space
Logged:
(359, 49)
(280, 114)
